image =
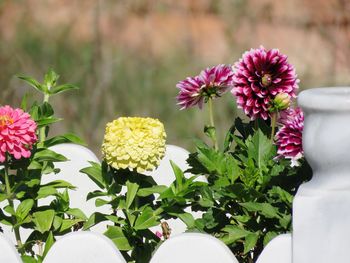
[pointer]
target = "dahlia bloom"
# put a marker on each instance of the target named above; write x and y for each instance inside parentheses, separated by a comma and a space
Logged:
(134, 143)
(211, 82)
(289, 136)
(17, 133)
(258, 77)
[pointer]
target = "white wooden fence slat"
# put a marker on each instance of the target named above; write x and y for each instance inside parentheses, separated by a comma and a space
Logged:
(193, 248)
(79, 157)
(278, 250)
(8, 252)
(84, 247)
(164, 175)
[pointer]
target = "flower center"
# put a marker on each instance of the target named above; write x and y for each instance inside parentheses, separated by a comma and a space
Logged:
(5, 120)
(266, 80)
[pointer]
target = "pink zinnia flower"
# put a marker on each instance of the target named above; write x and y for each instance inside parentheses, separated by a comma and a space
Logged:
(289, 136)
(258, 77)
(17, 133)
(210, 83)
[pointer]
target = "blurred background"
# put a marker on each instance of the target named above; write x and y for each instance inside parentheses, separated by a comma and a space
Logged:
(127, 55)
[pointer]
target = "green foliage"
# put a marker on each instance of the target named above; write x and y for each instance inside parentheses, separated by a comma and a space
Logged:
(25, 180)
(143, 205)
(248, 198)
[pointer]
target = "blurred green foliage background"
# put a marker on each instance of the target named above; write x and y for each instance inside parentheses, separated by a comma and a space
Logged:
(127, 55)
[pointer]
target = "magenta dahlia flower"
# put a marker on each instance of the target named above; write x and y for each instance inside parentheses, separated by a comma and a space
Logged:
(17, 133)
(210, 83)
(258, 77)
(289, 136)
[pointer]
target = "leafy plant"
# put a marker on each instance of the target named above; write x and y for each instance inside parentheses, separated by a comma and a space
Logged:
(21, 181)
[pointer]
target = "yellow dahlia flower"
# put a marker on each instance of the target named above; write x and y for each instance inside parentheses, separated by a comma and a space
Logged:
(134, 143)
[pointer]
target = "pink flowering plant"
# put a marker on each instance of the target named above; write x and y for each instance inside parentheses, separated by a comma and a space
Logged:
(255, 172)
(25, 159)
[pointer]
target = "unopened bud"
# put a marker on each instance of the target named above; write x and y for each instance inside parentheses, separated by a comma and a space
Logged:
(281, 101)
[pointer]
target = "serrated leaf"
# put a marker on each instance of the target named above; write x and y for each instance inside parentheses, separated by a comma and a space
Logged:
(265, 209)
(269, 236)
(234, 233)
(250, 242)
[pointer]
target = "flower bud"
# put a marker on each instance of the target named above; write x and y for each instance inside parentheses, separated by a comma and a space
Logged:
(281, 101)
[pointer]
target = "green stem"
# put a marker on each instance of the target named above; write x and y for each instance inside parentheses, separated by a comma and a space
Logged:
(42, 135)
(212, 123)
(13, 218)
(273, 125)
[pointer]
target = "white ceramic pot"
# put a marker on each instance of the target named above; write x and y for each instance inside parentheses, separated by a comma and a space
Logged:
(321, 208)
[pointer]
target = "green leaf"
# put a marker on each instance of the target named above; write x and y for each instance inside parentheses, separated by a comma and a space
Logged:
(234, 233)
(94, 219)
(49, 156)
(48, 244)
(151, 190)
(47, 121)
(66, 138)
(229, 138)
(43, 220)
(24, 102)
(32, 82)
(100, 202)
(50, 79)
(269, 236)
(62, 88)
(68, 224)
(260, 148)
(45, 192)
(131, 193)
(146, 220)
(119, 239)
(178, 174)
(210, 132)
(95, 174)
(76, 212)
(187, 218)
(59, 184)
(250, 242)
(28, 259)
(23, 209)
(9, 209)
(265, 209)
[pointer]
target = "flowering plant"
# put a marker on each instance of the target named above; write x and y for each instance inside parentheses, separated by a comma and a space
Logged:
(26, 157)
(251, 177)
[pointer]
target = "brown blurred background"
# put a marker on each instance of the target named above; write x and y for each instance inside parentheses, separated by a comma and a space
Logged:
(128, 55)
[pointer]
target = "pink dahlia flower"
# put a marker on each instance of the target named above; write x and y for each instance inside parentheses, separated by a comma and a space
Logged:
(258, 77)
(289, 136)
(17, 133)
(211, 82)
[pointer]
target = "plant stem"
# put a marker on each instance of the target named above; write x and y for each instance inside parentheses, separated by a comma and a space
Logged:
(273, 125)
(212, 123)
(13, 218)
(42, 135)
